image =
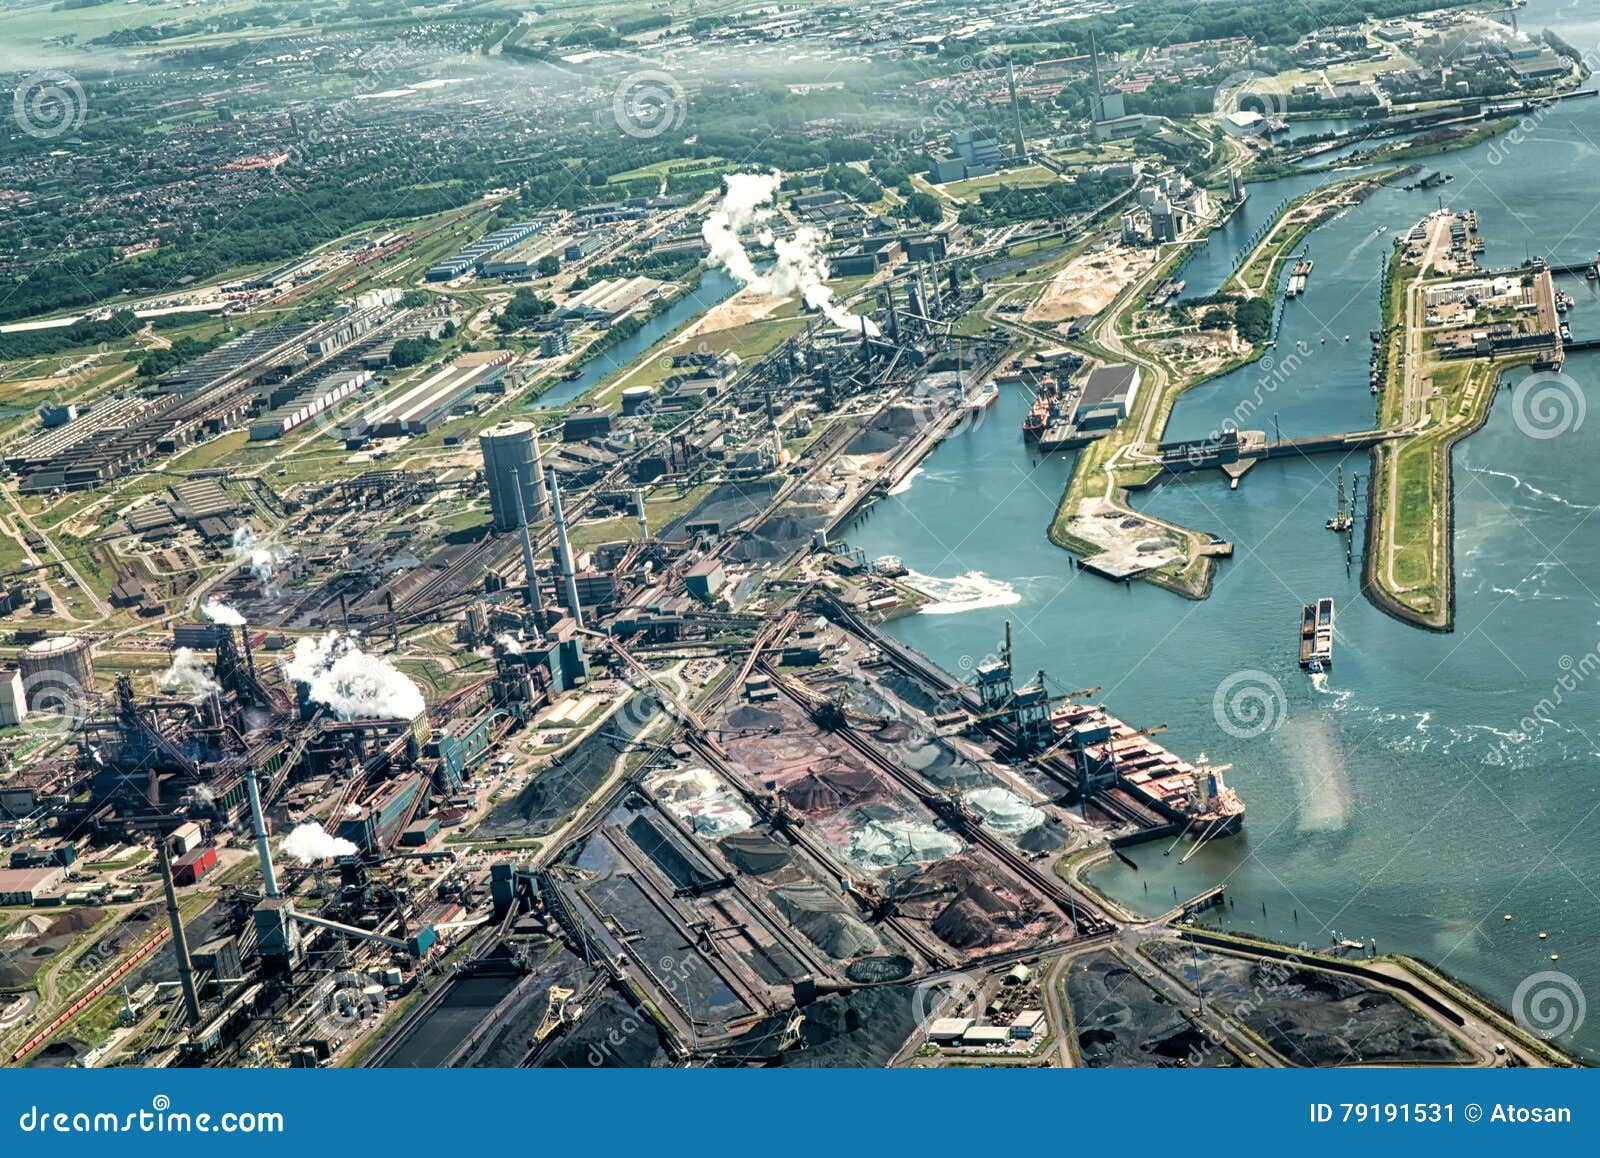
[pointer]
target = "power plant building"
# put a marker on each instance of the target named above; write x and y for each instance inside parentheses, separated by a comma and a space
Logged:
(511, 461)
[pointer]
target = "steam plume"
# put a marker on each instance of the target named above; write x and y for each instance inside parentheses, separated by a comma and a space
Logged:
(746, 208)
(308, 843)
(338, 674)
(189, 675)
(221, 613)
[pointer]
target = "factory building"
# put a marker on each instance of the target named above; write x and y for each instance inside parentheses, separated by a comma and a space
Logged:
(522, 261)
(27, 886)
(471, 259)
(609, 299)
(425, 405)
(511, 462)
(1108, 394)
(298, 409)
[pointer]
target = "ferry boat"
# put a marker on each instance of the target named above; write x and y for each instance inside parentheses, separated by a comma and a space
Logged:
(1316, 635)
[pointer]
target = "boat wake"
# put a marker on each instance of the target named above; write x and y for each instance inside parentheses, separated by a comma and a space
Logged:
(973, 591)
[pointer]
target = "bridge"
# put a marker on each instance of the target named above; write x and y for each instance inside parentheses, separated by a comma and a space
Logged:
(1235, 452)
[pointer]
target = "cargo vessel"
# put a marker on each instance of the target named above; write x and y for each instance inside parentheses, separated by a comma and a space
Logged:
(1316, 635)
(1100, 748)
(1038, 416)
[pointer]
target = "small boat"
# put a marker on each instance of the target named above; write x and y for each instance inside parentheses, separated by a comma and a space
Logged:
(1381, 229)
(1316, 635)
(983, 399)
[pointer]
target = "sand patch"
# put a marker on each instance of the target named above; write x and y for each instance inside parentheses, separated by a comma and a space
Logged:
(1088, 284)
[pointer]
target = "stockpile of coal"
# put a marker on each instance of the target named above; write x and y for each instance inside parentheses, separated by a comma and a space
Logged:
(913, 693)
(942, 764)
(1310, 1017)
(860, 1030)
(665, 853)
(748, 717)
(21, 957)
(968, 906)
(755, 852)
(557, 791)
(876, 970)
(826, 920)
(59, 1054)
(827, 790)
(162, 965)
(729, 505)
(778, 537)
(611, 1035)
(1124, 1023)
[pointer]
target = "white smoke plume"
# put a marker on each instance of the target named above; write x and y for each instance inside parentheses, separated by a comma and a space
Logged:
(261, 557)
(309, 843)
(746, 209)
(509, 643)
(221, 613)
(355, 685)
(190, 675)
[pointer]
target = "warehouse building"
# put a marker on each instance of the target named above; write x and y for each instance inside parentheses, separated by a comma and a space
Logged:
(522, 261)
(323, 395)
(427, 404)
(609, 299)
(28, 886)
(470, 259)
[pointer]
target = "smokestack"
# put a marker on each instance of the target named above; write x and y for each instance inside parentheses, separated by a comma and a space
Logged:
(638, 507)
(258, 825)
(569, 580)
(1016, 111)
(527, 544)
(1097, 103)
(180, 943)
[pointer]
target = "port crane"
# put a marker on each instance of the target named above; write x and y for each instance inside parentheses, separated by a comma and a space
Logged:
(1111, 745)
(1008, 709)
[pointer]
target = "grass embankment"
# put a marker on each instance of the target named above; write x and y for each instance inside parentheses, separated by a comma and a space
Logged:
(1409, 568)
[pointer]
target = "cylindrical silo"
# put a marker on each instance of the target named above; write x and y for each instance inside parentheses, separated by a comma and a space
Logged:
(511, 458)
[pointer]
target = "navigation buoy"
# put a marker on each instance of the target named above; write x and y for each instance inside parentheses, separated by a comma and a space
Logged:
(1544, 936)
(1508, 916)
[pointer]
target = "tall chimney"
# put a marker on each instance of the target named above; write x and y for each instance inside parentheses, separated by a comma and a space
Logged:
(527, 545)
(569, 579)
(258, 825)
(180, 943)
